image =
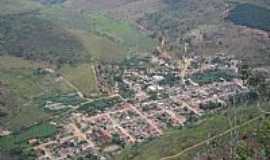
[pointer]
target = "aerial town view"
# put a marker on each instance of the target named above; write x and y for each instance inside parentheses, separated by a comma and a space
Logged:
(134, 80)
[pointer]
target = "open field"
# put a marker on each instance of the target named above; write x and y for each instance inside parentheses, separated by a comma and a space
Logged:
(100, 48)
(42, 130)
(121, 9)
(82, 76)
(22, 87)
(122, 33)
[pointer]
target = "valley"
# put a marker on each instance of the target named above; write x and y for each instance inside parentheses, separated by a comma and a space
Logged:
(134, 79)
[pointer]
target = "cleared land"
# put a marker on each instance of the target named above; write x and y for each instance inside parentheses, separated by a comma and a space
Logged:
(23, 86)
(82, 76)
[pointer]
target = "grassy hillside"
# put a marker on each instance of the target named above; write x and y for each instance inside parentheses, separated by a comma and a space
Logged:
(122, 33)
(16, 145)
(28, 36)
(99, 48)
(42, 130)
(54, 34)
(82, 76)
(18, 6)
(19, 88)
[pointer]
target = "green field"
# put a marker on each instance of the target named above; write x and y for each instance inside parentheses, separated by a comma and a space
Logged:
(42, 130)
(22, 87)
(120, 32)
(81, 76)
(100, 48)
(17, 143)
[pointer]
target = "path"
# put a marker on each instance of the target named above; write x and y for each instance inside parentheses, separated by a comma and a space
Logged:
(78, 133)
(121, 129)
(73, 87)
(212, 138)
(150, 122)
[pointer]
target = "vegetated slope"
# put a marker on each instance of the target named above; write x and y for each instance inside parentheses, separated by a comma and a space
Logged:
(35, 36)
(100, 48)
(8, 7)
(122, 33)
(30, 37)
(43, 33)
(82, 76)
(20, 86)
(16, 144)
(252, 16)
(95, 4)
(49, 2)
(204, 25)
(120, 9)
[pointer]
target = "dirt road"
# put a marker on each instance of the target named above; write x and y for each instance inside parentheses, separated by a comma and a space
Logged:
(172, 157)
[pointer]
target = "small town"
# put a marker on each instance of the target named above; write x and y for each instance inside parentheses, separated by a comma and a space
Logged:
(135, 80)
(152, 94)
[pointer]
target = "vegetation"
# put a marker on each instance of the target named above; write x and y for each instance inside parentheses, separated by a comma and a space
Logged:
(70, 99)
(50, 2)
(176, 140)
(17, 143)
(100, 27)
(99, 105)
(34, 38)
(20, 87)
(38, 34)
(100, 48)
(20, 138)
(212, 76)
(251, 15)
(121, 32)
(18, 6)
(83, 76)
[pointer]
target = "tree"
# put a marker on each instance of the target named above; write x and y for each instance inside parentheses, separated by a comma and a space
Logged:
(259, 79)
(245, 71)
